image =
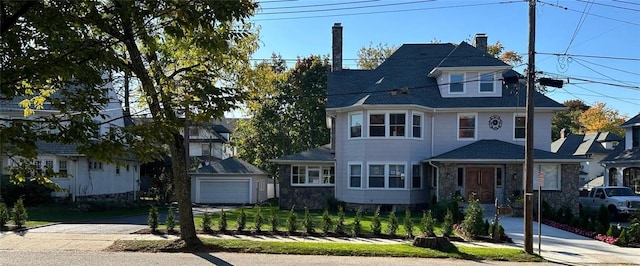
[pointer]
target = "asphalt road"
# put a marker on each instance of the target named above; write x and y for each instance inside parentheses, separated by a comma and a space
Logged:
(20, 258)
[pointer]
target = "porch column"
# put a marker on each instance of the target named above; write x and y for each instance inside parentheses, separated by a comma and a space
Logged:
(619, 175)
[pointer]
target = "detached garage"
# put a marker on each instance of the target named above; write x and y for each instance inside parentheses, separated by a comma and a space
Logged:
(230, 181)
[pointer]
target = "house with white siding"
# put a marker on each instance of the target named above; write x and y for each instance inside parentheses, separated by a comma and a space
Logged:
(432, 121)
(622, 166)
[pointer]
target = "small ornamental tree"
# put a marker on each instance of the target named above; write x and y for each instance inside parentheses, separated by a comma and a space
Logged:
(206, 222)
(426, 224)
(392, 223)
(222, 223)
(5, 216)
(408, 223)
(292, 222)
(473, 225)
(376, 225)
(19, 214)
(356, 230)
(152, 220)
(447, 224)
(274, 221)
(611, 231)
(327, 223)
(241, 220)
(170, 221)
(309, 227)
(340, 228)
(604, 220)
(623, 239)
(257, 220)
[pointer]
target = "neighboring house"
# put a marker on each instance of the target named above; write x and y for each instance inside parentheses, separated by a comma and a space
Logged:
(623, 164)
(87, 178)
(209, 143)
(431, 121)
(229, 181)
(593, 147)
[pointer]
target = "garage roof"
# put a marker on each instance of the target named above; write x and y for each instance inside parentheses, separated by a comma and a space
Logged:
(231, 165)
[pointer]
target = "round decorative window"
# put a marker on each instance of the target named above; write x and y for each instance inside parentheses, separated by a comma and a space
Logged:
(495, 122)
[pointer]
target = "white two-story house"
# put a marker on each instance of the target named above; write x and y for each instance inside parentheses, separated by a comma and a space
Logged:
(82, 177)
(623, 164)
(432, 121)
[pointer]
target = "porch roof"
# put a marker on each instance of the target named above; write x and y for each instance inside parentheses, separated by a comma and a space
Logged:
(499, 151)
(321, 154)
(621, 156)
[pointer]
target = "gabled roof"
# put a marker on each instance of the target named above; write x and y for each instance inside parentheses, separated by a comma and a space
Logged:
(321, 154)
(620, 155)
(634, 121)
(499, 151)
(407, 69)
(583, 144)
(231, 165)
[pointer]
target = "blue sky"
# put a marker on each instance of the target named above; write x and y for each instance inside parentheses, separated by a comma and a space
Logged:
(601, 39)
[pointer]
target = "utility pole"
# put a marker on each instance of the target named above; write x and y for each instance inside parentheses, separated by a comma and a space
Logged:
(528, 156)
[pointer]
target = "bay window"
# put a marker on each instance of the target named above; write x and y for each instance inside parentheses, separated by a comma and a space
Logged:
(377, 125)
(376, 176)
(396, 176)
(397, 125)
(416, 126)
(355, 122)
(355, 175)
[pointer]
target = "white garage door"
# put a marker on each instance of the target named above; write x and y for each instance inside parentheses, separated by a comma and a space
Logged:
(224, 191)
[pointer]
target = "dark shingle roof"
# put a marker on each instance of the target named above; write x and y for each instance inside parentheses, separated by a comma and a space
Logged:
(496, 150)
(408, 68)
(631, 122)
(583, 144)
(231, 165)
(53, 148)
(320, 154)
(620, 155)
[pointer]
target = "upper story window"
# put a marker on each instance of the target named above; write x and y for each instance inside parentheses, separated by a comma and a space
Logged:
(456, 83)
(377, 125)
(486, 83)
(206, 150)
(466, 126)
(397, 125)
(519, 122)
(416, 131)
(635, 136)
(312, 175)
(355, 124)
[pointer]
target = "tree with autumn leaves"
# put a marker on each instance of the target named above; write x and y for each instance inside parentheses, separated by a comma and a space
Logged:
(600, 118)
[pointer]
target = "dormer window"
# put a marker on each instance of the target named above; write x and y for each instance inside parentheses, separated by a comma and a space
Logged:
(486, 83)
(635, 137)
(456, 83)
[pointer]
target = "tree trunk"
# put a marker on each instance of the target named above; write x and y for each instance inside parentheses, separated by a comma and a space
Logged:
(182, 190)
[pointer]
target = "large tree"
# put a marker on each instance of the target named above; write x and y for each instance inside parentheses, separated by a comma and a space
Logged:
(568, 119)
(186, 57)
(286, 109)
(600, 118)
(372, 56)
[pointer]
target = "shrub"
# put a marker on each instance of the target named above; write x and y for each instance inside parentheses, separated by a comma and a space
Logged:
(473, 225)
(392, 224)
(170, 221)
(610, 231)
(408, 223)
(327, 223)
(356, 229)
(5, 216)
(340, 224)
(447, 224)
(603, 220)
(624, 239)
(273, 220)
(486, 227)
(292, 222)
(152, 220)
(426, 223)
(376, 225)
(546, 210)
(241, 220)
(309, 227)
(206, 222)
(222, 223)
(567, 215)
(334, 204)
(19, 214)
(634, 229)
(257, 220)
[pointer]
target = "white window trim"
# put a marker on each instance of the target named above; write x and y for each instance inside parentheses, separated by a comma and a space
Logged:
(386, 176)
(412, 174)
(513, 132)
(386, 124)
(493, 83)
(421, 114)
(475, 130)
(306, 176)
(362, 127)
(464, 87)
(536, 167)
(349, 164)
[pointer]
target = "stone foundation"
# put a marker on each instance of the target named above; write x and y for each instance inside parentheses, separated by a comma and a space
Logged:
(119, 197)
(300, 197)
(370, 208)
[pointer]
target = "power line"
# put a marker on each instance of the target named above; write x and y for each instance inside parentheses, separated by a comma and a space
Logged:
(627, 2)
(612, 68)
(344, 8)
(598, 95)
(595, 15)
(606, 96)
(316, 5)
(601, 73)
(613, 6)
(591, 56)
(583, 17)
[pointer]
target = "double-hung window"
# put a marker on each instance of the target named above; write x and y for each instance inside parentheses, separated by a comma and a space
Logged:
(456, 83)
(62, 167)
(355, 175)
(519, 127)
(377, 125)
(355, 122)
(376, 175)
(312, 175)
(486, 83)
(397, 124)
(416, 130)
(396, 176)
(298, 174)
(416, 178)
(466, 126)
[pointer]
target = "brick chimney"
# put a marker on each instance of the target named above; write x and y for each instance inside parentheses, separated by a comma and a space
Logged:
(480, 42)
(336, 47)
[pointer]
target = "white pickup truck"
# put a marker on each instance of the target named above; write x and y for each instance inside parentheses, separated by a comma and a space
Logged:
(619, 201)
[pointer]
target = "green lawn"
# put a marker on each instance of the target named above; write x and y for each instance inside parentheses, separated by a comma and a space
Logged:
(47, 214)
